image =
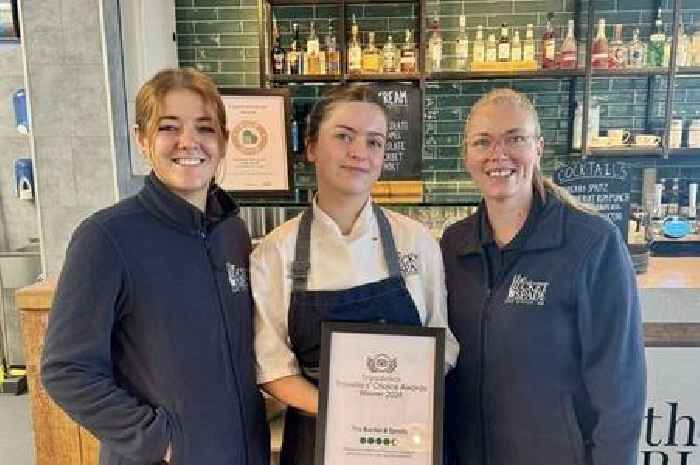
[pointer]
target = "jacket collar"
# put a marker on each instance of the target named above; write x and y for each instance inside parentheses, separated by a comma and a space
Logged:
(174, 210)
(544, 231)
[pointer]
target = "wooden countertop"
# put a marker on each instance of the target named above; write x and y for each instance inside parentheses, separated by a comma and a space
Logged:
(671, 273)
(37, 296)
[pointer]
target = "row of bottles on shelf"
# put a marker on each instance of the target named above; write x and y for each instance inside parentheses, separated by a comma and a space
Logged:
(508, 52)
(669, 215)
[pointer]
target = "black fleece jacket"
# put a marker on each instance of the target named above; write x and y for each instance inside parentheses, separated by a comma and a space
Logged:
(149, 341)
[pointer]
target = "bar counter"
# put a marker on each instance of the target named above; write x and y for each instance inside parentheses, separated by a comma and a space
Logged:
(669, 294)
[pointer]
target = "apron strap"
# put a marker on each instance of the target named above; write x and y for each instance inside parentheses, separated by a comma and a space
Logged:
(302, 252)
(391, 256)
(302, 249)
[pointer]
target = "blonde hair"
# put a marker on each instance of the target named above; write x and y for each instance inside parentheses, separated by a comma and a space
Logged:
(151, 97)
(541, 183)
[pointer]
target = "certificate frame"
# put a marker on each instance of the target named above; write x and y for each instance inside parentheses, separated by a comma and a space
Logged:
(264, 167)
(359, 331)
(9, 21)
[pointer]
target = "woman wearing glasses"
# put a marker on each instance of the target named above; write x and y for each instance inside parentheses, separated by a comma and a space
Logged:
(542, 298)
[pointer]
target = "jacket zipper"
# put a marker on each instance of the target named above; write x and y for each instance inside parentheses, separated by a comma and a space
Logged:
(482, 381)
(203, 235)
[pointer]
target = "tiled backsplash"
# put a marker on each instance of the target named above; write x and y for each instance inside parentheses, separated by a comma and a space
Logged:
(220, 38)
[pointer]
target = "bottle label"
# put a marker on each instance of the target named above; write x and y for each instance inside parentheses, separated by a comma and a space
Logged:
(549, 49)
(529, 53)
(278, 62)
(491, 54)
(461, 49)
(504, 52)
(479, 54)
(355, 58)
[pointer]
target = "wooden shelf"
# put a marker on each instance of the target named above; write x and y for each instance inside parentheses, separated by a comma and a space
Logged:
(303, 78)
(694, 152)
(517, 74)
(688, 71)
(633, 72)
(625, 152)
(384, 77)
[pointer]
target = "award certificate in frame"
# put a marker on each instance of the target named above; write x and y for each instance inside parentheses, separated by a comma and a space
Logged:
(257, 161)
(381, 395)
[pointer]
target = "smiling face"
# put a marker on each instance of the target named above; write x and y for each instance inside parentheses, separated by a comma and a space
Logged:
(502, 150)
(186, 147)
(349, 149)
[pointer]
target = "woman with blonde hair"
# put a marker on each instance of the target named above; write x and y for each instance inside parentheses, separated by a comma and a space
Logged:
(542, 298)
(149, 344)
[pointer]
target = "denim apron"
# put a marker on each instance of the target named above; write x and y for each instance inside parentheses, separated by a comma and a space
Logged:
(385, 301)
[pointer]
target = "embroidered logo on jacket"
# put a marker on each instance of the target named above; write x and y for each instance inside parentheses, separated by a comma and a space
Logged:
(408, 263)
(237, 277)
(525, 292)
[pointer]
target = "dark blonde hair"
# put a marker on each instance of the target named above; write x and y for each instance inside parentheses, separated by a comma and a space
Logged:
(151, 98)
(340, 94)
(541, 183)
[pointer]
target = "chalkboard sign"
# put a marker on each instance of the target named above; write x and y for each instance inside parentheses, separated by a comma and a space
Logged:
(604, 185)
(402, 159)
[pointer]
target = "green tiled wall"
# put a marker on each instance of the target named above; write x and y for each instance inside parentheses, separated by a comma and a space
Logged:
(220, 38)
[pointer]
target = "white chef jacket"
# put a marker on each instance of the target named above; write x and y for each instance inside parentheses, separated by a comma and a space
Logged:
(341, 262)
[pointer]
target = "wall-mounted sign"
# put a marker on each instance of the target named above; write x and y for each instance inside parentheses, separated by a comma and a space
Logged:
(257, 158)
(604, 185)
(403, 149)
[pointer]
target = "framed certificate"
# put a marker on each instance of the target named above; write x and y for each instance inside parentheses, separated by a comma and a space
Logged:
(381, 395)
(258, 161)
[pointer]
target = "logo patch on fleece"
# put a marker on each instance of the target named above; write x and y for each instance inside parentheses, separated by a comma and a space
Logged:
(408, 263)
(523, 291)
(237, 277)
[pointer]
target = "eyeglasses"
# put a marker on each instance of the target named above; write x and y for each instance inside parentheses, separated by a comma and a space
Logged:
(510, 143)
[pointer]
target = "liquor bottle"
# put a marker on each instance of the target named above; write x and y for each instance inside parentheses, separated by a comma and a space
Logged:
(389, 56)
(657, 43)
(370, 57)
(294, 56)
(599, 53)
(354, 51)
(277, 51)
(409, 61)
(529, 44)
(479, 50)
(313, 52)
(491, 49)
(618, 52)
(462, 44)
(683, 46)
(549, 45)
(503, 45)
(636, 51)
(332, 52)
(435, 46)
(569, 50)
(516, 48)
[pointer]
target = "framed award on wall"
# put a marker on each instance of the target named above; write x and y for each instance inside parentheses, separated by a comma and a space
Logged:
(381, 395)
(9, 21)
(257, 161)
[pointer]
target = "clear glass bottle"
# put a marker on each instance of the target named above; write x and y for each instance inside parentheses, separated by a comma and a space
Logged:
(599, 54)
(683, 46)
(277, 52)
(636, 51)
(389, 56)
(549, 45)
(435, 46)
(462, 45)
(354, 50)
(409, 60)
(332, 52)
(529, 44)
(503, 53)
(657, 43)
(370, 56)
(618, 52)
(479, 49)
(569, 50)
(294, 55)
(516, 48)
(695, 47)
(491, 49)
(313, 52)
